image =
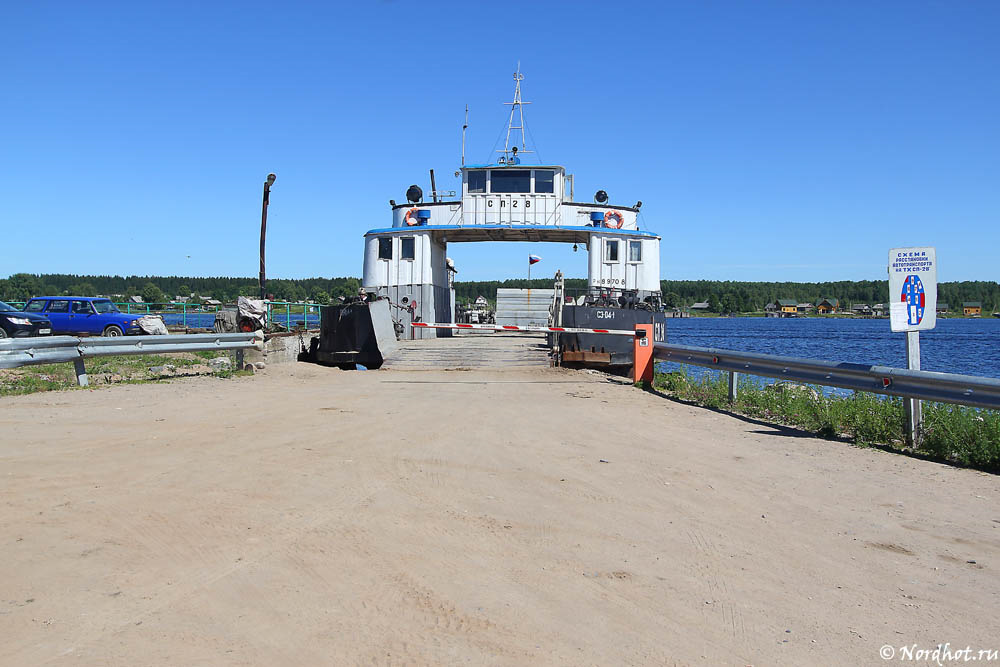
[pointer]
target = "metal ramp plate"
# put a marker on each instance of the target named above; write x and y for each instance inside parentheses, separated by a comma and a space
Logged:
(499, 351)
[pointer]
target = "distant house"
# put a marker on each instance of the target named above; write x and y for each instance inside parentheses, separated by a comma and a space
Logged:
(972, 308)
(786, 306)
(942, 307)
(804, 308)
(861, 309)
(211, 302)
(135, 299)
(827, 306)
(701, 305)
(481, 301)
(878, 309)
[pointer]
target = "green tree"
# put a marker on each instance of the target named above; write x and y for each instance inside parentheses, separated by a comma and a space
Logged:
(22, 286)
(714, 305)
(320, 296)
(152, 294)
(672, 300)
(184, 290)
(350, 287)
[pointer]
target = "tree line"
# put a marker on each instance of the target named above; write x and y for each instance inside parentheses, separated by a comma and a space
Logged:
(162, 289)
(728, 296)
(721, 295)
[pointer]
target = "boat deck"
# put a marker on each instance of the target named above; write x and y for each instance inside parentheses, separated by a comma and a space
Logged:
(497, 351)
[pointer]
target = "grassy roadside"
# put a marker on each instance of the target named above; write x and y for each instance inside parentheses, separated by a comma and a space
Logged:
(953, 433)
(113, 370)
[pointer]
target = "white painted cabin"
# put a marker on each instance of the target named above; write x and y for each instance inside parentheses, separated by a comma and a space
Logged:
(509, 202)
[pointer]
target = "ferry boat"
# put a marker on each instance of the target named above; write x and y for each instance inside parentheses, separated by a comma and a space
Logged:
(510, 201)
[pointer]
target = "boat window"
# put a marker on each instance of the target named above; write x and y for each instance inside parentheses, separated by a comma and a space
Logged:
(406, 247)
(610, 251)
(385, 248)
(635, 251)
(545, 181)
(510, 181)
(477, 181)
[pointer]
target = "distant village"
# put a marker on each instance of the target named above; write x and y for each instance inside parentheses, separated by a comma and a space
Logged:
(832, 306)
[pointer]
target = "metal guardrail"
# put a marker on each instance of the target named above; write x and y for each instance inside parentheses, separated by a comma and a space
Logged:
(922, 385)
(17, 352)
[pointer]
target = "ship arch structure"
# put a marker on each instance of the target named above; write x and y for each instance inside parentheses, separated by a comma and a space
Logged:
(407, 262)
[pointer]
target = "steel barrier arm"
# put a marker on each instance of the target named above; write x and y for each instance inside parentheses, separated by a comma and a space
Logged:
(925, 385)
(513, 327)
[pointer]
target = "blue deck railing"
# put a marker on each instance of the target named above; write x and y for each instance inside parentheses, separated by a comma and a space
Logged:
(290, 314)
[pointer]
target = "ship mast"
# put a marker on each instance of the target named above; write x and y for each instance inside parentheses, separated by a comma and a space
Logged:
(516, 108)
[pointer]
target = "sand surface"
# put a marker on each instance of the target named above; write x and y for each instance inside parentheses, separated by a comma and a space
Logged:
(309, 516)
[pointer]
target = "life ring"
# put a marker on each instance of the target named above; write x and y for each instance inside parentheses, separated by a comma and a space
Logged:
(613, 214)
(408, 221)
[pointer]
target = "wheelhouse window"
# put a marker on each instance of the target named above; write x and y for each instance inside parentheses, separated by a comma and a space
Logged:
(406, 247)
(635, 251)
(545, 181)
(385, 248)
(513, 180)
(610, 251)
(477, 181)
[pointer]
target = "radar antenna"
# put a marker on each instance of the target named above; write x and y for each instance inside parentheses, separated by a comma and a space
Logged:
(516, 107)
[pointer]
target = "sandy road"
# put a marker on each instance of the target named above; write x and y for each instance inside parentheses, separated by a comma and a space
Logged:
(307, 516)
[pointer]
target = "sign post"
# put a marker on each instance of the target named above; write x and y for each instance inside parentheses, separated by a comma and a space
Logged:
(912, 308)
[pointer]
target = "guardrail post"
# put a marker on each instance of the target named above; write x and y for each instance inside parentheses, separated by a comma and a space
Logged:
(642, 357)
(81, 372)
(734, 379)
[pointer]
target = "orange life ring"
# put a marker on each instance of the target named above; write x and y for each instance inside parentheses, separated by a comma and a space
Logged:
(411, 212)
(614, 214)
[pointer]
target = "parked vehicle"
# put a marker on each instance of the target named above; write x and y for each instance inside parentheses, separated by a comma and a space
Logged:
(75, 315)
(16, 324)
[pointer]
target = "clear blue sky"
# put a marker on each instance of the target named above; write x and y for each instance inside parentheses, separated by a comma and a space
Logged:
(767, 140)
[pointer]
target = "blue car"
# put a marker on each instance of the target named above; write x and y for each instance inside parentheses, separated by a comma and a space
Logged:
(76, 315)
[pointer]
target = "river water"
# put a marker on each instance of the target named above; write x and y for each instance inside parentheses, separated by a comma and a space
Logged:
(969, 346)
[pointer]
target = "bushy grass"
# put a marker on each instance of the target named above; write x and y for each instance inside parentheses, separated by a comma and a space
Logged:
(968, 436)
(122, 368)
